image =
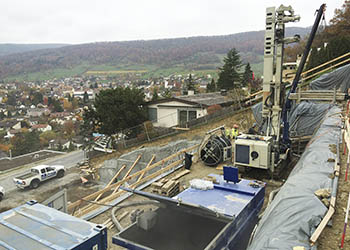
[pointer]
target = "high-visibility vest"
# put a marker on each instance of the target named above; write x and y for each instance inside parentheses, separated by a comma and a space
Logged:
(234, 132)
(228, 132)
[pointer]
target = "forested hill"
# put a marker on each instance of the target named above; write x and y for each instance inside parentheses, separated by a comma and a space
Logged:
(203, 52)
(12, 48)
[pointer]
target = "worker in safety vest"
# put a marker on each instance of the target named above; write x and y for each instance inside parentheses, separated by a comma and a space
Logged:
(234, 132)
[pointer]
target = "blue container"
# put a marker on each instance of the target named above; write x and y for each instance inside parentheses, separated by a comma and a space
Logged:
(219, 218)
(33, 226)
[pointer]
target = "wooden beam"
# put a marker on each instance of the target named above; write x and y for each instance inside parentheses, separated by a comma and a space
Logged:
(129, 171)
(149, 164)
(94, 195)
(179, 175)
(179, 128)
(319, 66)
(319, 72)
(111, 197)
(112, 180)
(330, 211)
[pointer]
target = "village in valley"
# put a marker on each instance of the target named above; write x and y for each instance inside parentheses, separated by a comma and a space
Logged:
(237, 141)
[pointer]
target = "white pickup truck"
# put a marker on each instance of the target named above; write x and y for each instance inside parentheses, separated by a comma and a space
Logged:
(39, 174)
(2, 193)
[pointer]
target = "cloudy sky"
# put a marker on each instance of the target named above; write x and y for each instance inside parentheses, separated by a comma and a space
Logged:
(83, 21)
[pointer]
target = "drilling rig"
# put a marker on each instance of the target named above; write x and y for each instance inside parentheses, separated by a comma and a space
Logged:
(270, 150)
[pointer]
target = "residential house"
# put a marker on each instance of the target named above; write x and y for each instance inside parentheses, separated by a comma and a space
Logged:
(37, 112)
(42, 127)
(175, 111)
(11, 133)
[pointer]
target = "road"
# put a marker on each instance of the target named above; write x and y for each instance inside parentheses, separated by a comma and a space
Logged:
(68, 160)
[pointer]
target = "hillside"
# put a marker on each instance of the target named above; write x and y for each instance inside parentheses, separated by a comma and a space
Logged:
(157, 56)
(11, 48)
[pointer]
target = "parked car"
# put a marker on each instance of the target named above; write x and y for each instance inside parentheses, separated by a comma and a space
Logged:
(39, 174)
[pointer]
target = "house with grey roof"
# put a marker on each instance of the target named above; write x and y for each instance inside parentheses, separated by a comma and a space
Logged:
(170, 112)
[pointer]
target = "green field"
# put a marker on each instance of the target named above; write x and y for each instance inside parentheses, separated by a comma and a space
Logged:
(50, 74)
(139, 71)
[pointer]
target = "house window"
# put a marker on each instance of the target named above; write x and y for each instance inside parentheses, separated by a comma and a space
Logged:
(192, 115)
(152, 114)
(186, 115)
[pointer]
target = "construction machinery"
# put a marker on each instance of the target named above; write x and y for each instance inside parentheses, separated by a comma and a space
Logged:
(215, 147)
(270, 149)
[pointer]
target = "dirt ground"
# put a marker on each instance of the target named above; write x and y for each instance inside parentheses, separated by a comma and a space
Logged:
(331, 236)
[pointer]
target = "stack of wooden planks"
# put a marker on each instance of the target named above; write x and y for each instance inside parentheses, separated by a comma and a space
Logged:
(168, 187)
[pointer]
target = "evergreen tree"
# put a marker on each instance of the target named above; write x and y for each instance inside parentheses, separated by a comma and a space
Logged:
(86, 97)
(155, 94)
(211, 87)
(247, 75)
(190, 84)
(229, 77)
(115, 109)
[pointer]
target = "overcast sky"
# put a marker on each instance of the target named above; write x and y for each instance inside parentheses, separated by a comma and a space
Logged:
(83, 21)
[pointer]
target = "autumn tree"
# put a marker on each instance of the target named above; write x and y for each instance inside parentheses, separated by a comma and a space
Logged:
(68, 128)
(37, 98)
(229, 77)
(67, 105)
(46, 137)
(23, 143)
(115, 110)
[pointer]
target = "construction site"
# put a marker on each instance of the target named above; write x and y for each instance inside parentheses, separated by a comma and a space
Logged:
(279, 182)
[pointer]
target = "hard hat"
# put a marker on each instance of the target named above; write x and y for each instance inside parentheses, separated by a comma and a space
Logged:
(235, 125)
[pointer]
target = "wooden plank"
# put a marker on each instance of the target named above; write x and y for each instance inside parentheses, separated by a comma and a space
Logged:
(179, 128)
(319, 66)
(319, 72)
(329, 213)
(167, 186)
(129, 171)
(112, 180)
(94, 195)
(111, 197)
(123, 215)
(179, 175)
(323, 223)
(149, 164)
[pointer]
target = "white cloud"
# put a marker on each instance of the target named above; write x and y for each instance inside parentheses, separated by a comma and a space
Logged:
(78, 21)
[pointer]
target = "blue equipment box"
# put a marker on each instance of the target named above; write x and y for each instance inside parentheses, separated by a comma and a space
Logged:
(33, 226)
(218, 218)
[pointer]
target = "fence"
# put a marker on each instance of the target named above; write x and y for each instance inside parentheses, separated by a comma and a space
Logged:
(146, 132)
(32, 153)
